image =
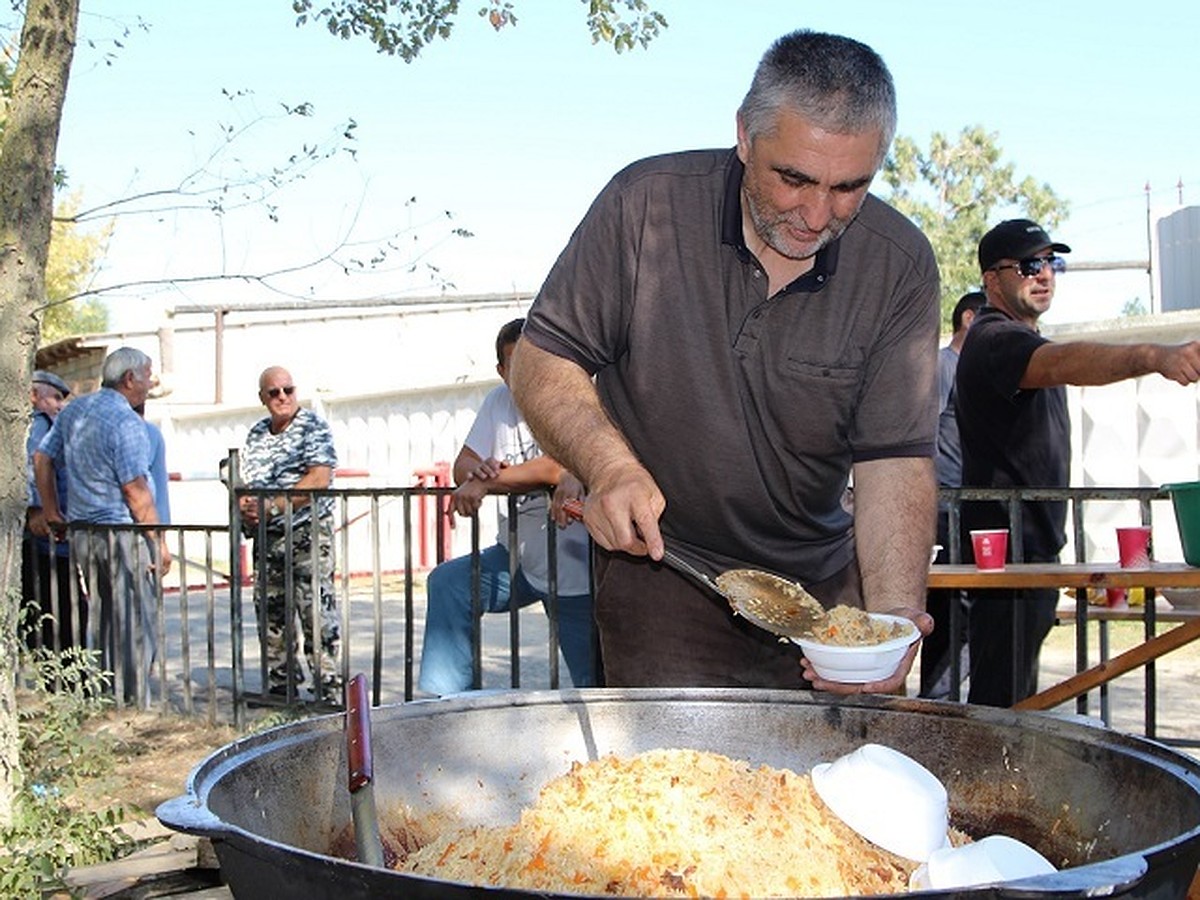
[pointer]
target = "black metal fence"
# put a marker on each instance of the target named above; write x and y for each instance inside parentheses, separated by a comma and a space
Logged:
(119, 606)
(188, 633)
(1080, 502)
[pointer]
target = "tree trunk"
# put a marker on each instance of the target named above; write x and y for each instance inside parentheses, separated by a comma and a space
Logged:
(27, 153)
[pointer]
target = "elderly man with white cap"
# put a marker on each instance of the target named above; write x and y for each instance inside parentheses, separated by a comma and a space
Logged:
(1015, 431)
(45, 569)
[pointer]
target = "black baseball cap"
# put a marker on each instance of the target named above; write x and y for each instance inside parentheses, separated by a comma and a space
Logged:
(41, 376)
(1015, 239)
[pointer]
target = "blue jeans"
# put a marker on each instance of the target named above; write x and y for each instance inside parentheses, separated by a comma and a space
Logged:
(446, 656)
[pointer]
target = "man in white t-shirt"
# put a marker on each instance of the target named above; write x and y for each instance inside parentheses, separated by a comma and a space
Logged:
(500, 456)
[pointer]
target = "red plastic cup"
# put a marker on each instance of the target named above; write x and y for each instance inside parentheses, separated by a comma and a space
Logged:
(991, 547)
(1133, 548)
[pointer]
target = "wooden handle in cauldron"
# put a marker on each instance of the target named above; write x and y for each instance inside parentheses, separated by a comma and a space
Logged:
(358, 757)
(358, 734)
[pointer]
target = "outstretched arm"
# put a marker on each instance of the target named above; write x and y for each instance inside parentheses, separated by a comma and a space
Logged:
(1095, 363)
(561, 405)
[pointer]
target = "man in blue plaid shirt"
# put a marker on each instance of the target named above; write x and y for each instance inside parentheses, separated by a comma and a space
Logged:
(107, 455)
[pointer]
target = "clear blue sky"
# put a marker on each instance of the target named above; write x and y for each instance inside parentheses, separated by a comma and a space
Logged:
(515, 132)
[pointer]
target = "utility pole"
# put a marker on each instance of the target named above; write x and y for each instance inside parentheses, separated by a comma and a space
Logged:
(1150, 250)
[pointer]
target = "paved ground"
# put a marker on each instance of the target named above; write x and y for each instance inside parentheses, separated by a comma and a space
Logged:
(1177, 700)
(378, 627)
(378, 630)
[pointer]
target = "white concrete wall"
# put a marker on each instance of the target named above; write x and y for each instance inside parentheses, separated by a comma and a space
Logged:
(398, 383)
(390, 437)
(400, 387)
(329, 351)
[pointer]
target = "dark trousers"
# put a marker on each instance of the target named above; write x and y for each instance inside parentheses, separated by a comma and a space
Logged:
(52, 620)
(116, 566)
(936, 655)
(994, 624)
(658, 628)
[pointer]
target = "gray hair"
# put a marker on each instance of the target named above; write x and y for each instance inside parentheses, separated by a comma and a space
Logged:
(120, 361)
(835, 82)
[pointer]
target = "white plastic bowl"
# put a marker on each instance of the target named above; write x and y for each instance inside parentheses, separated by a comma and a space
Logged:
(860, 664)
(993, 859)
(889, 798)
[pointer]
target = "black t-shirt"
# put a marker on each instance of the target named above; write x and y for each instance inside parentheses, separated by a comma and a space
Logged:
(1011, 437)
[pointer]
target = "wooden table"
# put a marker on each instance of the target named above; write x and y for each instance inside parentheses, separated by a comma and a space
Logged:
(1076, 576)
(1082, 577)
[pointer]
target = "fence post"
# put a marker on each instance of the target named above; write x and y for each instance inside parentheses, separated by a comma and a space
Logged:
(438, 476)
(233, 480)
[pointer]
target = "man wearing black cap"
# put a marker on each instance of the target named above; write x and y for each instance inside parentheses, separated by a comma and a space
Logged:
(1015, 432)
(46, 570)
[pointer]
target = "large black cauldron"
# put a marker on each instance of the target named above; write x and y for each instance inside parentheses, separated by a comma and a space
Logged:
(1121, 815)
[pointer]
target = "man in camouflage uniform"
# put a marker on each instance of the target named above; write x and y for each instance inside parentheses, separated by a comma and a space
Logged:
(292, 448)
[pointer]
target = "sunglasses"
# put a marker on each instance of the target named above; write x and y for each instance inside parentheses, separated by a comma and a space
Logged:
(1031, 268)
(274, 392)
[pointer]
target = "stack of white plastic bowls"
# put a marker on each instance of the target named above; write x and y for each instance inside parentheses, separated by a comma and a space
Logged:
(896, 803)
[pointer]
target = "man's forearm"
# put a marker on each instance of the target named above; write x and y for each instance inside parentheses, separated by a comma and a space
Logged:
(140, 500)
(561, 405)
(317, 477)
(895, 509)
(541, 472)
(47, 485)
(1095, 363)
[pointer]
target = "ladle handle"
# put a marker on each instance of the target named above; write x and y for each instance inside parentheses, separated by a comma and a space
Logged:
(679, 564)
(1109, 878)
(574, 509)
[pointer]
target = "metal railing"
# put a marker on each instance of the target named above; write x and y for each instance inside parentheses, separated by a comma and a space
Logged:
(421, 513)
(189, 638)
(202, 659)
(377, 586)
(1081, 501)
(139, 637)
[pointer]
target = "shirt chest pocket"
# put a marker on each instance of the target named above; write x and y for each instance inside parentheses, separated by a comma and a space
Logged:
(818, 399)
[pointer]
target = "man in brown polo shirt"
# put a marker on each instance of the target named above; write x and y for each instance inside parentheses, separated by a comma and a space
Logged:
(759, 329)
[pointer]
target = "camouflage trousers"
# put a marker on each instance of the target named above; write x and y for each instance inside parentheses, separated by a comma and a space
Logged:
(273, 625)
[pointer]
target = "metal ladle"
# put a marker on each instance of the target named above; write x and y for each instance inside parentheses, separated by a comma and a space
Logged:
(769, 601)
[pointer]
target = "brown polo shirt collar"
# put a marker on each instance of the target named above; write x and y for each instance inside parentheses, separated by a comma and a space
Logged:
(825, 263)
